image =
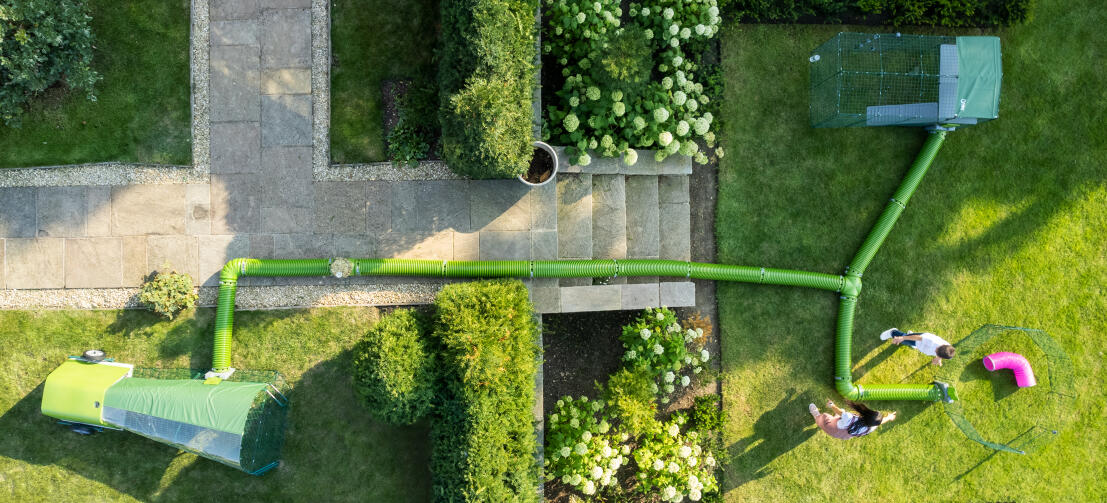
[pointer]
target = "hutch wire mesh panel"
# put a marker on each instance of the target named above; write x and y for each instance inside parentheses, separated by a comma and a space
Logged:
(860, 79)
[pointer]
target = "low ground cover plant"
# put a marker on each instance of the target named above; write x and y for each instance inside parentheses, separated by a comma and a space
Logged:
(169, 293)
(43, 43)
(630, 77)
(617, 447)
(486, 76)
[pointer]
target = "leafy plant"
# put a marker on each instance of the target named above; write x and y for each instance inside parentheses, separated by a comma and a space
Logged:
(584, 451)
(168, 293)
(483, 432)
(394, 369)
(656, 345)
(43, 42)
(674, 465)
(631, 401)
(706, 413)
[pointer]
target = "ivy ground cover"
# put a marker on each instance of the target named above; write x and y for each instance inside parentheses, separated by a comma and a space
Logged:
(332, 447)
(141, 112)
(1008, 227)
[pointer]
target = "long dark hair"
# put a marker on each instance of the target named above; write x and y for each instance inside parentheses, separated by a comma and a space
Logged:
(867, 418)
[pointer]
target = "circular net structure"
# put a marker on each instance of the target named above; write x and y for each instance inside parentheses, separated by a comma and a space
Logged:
(992, 410)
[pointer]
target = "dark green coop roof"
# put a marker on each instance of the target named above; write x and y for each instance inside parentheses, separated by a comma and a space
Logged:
(981, 72)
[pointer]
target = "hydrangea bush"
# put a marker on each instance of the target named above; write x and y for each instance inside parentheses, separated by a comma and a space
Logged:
(657, 345)
(673, 465)
(583, 451)
(604, 104)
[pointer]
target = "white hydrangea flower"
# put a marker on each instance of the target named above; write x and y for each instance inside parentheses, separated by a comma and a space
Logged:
(677, 60)
(606, 480)
(658, 464)
(597, 472)
(680, 77)
(668, 493)
(566, 479)
(597, 6)
(581, 17)
(692, 461)
(607, 452)
(653, 387)
(604, 427)
(632, 354)
(702, 126)
(673, 467)
(669, 388)
(682, 126)
(699, 332)
(700, 29)
(669, 376)
(687, 360)
(625, 449)
(661, 115)
(576, 479)
(660, 316)
(673, 30)
(684, 451)
(657, 349)
(695, 495)
(668, 13)
(565, 451)
(704, 355)
(672, 430)
(645, 333)
(692, 105)
(709, 461)
(713, 11)
(630, 157)
(674, 42)
(679, 98)
(665, 138)
(685, 381)
(620, 108)
(616, 462)
(580, 448)
(589, 488)
(648, 33)
(667, 83)
(700, 158)
(553, 418)
(645, 11)
(574, 423)
(586, 436)
(697, 370)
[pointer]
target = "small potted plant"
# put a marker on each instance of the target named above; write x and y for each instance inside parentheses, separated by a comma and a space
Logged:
(543, 165)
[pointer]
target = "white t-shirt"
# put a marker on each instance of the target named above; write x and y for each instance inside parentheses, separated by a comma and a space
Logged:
(929, 343)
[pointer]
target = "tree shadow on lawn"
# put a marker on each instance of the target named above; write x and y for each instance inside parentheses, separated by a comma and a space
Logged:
(331, 447)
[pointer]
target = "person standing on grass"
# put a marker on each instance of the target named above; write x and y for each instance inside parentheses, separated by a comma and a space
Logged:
(927, 343)
(845, 425)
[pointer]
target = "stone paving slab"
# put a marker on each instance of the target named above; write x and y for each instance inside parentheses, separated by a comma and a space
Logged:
(172, 253)
(134, 260)
(676, 221)
(286, 81)
(286, 38)
(285, 4)
(233, 9)
(214, 252)
(642, 217)
(505, 245)
(640, 296)
(576, 299)
(341, 207)
(546, 299)
(2, 244)
(235, 147)
(98, 211)
(261, 246)
(286, 246)
(236, 32)
(672, 189)
(574, 216)
(18, 217)
(499, 205)
(61, 211)
(543, 245)
(34, 263)
(466, 246)
(609, 217)
(198, 207)
(284, 180)
(678, 294)
(94, 263)
(422, 245)
(235, 76)
(235, 204)
(286, 120)
(543, 207)
(147, 209)
(287, 219)
(355, 246)
(430, 206)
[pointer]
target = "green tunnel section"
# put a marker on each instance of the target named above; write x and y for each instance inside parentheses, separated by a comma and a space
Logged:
(849, 284)
(237, 423)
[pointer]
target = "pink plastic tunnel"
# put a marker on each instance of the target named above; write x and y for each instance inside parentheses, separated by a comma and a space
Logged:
(1024, 376)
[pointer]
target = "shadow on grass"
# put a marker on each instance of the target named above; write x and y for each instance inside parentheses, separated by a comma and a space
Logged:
(776, 432)
(331, 447)
(1003, 384)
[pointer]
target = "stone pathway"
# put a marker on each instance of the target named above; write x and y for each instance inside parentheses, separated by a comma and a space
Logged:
(264, 199)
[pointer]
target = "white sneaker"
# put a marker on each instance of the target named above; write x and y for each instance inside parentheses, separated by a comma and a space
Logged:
(887, 334)
(813, 409)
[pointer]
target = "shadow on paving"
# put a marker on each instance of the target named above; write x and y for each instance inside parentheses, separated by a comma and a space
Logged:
(331, 447)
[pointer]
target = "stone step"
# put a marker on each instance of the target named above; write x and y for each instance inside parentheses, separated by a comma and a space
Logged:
(574, 221)
(609, 219)
(576, 299)
(675, 220)
(643, 241)
(646, 165)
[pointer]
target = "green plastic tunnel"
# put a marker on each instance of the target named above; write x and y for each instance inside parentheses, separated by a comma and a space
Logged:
(848, 284)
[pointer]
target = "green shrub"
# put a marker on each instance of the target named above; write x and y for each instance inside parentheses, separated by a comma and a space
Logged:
(42, 42)
(393, 369)
(706, 413)
(631, 401)
(486, 76)
(417, 125)
(483, 441)
(168, 293)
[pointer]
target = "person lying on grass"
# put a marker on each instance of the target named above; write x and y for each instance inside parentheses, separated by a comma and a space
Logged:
(845, 425)
(927, 343)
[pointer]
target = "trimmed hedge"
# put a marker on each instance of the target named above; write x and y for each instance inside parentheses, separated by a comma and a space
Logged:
(950, 13)
(394, 370)
(483, 440)
(486, 75)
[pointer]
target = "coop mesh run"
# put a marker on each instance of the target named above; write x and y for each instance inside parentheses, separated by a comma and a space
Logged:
(1059, 379)
(861, 79)
(239, 422)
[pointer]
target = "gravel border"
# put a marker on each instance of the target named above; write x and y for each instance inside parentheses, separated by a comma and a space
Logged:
(200, 68)
(320, 86)
(427, 170)
(248, 298)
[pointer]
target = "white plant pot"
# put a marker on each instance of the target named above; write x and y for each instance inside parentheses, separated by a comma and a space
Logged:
(553, 155)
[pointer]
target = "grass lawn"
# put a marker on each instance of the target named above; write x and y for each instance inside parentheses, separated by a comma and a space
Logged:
(332, 447)
(372, 41)
(141, 112)
(1008, 227)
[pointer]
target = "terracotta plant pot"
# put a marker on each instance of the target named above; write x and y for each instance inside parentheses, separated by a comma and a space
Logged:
(543, 166)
